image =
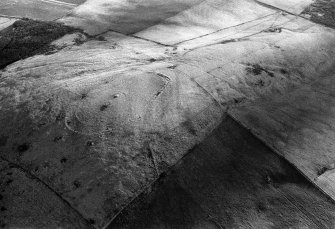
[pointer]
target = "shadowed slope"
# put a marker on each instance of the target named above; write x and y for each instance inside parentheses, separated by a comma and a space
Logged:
(300, 127)
(230, 180)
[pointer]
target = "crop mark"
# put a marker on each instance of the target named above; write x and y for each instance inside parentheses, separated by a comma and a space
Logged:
(167, 79)
(226, 28)
(153, 158)
(257, 69)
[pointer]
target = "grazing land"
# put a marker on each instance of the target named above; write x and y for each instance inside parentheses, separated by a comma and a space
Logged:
(167, 114)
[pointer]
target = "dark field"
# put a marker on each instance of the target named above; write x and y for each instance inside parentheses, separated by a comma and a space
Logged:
(231, 180)
(322, 11)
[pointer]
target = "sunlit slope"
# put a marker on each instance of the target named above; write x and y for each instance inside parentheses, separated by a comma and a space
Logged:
(100, 122)
(171, 22)
(207, 17)
(46, 10)
(98, 16)
(5, 22)
(291, 6)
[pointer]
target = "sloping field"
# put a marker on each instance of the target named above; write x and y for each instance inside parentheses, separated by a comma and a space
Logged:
(28, 203)
(5, 22)
(230, 180)
(46, 10)
(98, 16)
(300, 126)
(99, 123)
(206, 17)
(291, 6)
(107, 144)
(77, 2)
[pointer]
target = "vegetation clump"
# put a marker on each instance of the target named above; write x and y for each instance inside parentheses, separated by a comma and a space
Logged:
(321, 11)
(27, 37)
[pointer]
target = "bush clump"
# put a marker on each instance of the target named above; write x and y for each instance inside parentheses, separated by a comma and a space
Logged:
(27, 37)
(322, 11)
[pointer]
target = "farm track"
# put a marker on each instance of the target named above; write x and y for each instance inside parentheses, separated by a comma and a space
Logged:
(59, 3)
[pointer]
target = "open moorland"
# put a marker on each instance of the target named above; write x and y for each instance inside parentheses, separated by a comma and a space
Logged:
(167, 114)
